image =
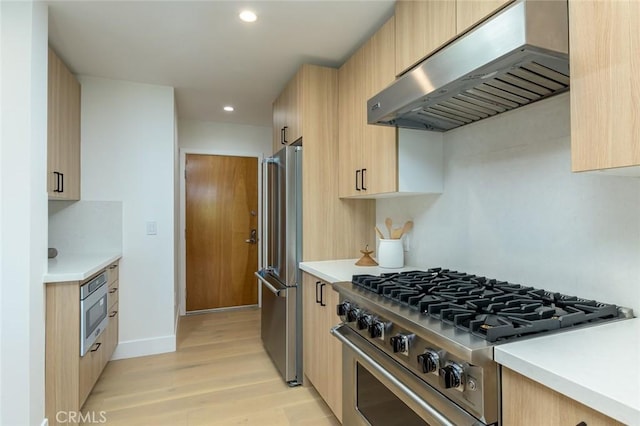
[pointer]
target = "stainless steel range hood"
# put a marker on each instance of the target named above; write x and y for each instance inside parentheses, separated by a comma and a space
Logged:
(518, 56)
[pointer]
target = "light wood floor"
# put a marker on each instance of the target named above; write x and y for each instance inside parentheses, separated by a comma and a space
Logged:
(219, 375)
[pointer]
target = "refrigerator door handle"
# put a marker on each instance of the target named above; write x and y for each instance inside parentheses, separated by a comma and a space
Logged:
(280, 293)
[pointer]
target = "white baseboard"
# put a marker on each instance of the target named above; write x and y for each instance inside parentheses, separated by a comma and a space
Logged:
(144, 347)
(45, 422)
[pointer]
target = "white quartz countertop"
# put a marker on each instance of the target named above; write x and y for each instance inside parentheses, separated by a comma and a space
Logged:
(597, 366)
(77, 266)
(335, 271)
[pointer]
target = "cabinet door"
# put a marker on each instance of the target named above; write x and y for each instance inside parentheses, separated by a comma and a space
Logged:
(334, 348)
(278, 123)
(525, 402)
(293, 109)
(421, 27)
(314, 340)
(63, 132)
(379, 145)
(471, 12)
(91, 365)
(605, 86)
(351, 122)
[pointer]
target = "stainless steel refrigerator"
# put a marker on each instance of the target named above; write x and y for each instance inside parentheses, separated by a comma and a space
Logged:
(280, 277)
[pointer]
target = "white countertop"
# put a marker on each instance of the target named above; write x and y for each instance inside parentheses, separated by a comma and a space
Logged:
(77, 266)
(597, 366)
(335, 271)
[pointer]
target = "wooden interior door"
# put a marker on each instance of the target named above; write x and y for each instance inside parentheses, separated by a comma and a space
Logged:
(221, 213)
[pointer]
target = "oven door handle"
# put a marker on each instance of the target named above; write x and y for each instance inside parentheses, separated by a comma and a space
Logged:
(398, 384)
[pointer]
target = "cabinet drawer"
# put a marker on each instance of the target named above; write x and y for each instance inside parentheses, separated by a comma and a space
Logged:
(111, 334)
(112, 273)
(112, 296)
(91, 365)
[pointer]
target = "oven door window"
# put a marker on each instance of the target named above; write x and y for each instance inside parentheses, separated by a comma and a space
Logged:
(378, 405)
(94, 314)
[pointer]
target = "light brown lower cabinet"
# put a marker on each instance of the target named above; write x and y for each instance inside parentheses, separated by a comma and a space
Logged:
(70, 377)
(526, 402)
(322, 352)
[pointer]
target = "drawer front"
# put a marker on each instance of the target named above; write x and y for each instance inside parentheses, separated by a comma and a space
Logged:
(112, 295)
(112, 272)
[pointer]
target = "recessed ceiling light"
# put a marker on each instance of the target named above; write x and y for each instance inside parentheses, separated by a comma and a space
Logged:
(228, 108)
(248, 16)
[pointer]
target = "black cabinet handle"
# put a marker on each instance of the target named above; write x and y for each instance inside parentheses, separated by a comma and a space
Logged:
(113, 290)
(318, 296)
(364, 176)
(321, 297)
(61, 182)
(58, 187)
(283, 135)
(581, 424)
(97, 347)
(357, 180)
(113, 314)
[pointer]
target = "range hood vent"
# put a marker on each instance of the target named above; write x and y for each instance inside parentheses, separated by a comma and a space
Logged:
(519, 56)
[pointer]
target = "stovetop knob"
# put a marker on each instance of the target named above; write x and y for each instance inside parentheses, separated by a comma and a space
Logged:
(451, 376)
(343, 308)
(352, 314)
(376, 329)
(400, 343)
(429, 361)
(363, 321)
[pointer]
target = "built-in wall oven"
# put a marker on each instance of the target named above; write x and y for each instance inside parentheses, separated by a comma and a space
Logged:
(93, 311)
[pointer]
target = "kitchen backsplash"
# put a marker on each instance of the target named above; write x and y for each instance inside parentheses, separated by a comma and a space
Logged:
(85, 226)
(512, 210)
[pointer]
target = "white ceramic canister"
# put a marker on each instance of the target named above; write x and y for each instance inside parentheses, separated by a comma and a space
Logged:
(390, 253)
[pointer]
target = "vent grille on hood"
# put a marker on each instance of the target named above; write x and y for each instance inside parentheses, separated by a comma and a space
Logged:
(451, 89)
(518, 87)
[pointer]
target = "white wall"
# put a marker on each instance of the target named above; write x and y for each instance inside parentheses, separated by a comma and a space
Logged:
(512, 210)
(77, 227)
(23, 212)
(128, 156)
(209, 136)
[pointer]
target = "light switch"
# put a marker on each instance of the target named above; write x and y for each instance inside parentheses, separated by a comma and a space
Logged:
(152, 228)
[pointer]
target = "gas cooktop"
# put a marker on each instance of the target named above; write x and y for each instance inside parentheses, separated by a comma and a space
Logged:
(491, 309)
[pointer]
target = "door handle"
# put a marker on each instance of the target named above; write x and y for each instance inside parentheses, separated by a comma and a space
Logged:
(253, 237)
(358, 179)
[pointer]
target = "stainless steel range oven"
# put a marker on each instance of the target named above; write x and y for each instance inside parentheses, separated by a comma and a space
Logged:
(418, 346)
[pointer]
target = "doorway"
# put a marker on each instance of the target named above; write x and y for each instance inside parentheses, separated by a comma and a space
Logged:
(221, 231)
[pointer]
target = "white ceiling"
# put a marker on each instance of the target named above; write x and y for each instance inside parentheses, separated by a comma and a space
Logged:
(203, 49)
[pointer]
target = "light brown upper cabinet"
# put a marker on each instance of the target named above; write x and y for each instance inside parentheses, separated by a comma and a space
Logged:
(63, 132)
(367, 153)
(605, 86)
(287, 126)
(375, 161)
(470, 12)
(421, 27)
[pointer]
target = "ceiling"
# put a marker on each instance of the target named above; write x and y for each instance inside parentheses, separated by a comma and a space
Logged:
(204, 51)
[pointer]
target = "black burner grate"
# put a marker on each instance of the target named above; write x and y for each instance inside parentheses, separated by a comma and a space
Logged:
(494, 310)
